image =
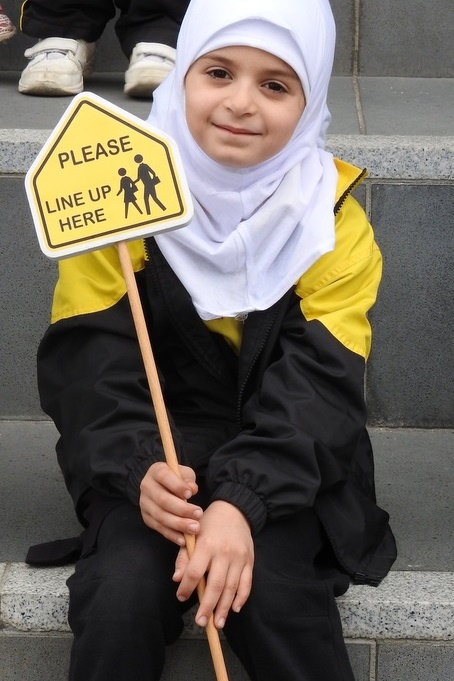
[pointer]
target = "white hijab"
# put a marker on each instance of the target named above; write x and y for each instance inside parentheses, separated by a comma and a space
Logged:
(255, 230)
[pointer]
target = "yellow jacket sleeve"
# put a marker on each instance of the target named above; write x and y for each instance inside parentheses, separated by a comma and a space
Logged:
(341, 287)
(93, 281)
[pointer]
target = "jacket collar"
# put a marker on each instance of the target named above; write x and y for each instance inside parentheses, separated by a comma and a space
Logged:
(349, 177)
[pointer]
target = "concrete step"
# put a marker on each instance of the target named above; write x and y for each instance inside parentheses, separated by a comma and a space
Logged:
(414, 474)
(403, 630)
(367, 106)
(375, 39)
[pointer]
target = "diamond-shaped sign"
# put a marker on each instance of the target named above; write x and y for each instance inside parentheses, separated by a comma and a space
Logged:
(104, 176)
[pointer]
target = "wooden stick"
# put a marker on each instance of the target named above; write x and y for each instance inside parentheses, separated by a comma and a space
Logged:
(165, 431)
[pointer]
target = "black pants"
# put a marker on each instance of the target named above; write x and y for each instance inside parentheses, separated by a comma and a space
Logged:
(123, 609)
(152, 21)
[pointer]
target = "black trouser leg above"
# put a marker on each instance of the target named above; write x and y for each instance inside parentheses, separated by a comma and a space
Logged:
(123, 609)
(82, 20)
(157, 21)
(290, 626)
(153, 21)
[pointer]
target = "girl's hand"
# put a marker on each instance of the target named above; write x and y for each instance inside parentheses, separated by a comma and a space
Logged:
(224, 551)
(164, 502)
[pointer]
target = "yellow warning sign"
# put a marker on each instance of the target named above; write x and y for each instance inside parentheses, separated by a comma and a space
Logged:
(104, 176)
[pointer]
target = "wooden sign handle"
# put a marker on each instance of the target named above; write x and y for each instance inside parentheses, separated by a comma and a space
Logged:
(165, 431)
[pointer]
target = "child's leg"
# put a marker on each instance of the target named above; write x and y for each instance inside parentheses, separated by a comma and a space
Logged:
(290, 627)
(150, 21)
(83, 19)
(123, 609)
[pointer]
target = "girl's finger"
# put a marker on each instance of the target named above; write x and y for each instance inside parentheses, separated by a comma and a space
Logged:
(244, 589)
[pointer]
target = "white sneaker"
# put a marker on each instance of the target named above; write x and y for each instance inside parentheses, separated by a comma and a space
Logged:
(150, 63)
(57, 67)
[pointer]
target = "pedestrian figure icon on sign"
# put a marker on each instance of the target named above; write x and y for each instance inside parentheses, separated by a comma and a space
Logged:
(149, 179)
(129, 189)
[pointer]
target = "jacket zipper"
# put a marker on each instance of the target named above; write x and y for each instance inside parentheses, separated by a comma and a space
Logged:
(146, 249)
(251, 368)
(349, 190)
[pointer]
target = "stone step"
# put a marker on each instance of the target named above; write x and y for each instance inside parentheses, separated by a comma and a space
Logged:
(407, 605)
(402, 630)
(414, 477)
(376, 39)
(375, 106)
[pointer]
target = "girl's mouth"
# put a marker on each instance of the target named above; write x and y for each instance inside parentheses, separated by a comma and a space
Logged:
(235, 131)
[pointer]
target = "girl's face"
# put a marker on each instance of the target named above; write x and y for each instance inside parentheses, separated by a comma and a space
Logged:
(242, 105)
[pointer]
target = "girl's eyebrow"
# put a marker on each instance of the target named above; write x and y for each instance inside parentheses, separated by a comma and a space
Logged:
(215, 57)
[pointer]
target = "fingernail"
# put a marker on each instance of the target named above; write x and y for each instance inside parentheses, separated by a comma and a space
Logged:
(187, 494)
(198, 513)
(202, 621)
(193, 527)
(220, 622)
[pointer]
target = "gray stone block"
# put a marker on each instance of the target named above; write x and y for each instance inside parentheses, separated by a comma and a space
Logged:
(26, 282)
(342, 105)
(35, 504)
(415, 662)
(403, 39)
(360, 653)
(39, 657)
(345, 30)
(415, 479)
(46, 657)
(406, 605)
(410, 375)
(42, 113)
(411, 465)
(408, 106)
(397, 157)
(192, 660)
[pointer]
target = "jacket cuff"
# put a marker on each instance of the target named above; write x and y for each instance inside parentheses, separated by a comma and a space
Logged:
(245, 500)
(135, 478)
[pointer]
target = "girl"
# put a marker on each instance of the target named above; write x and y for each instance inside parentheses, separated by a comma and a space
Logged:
(257, 313)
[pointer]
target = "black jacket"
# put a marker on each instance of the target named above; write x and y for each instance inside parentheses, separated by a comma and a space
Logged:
(274, 424)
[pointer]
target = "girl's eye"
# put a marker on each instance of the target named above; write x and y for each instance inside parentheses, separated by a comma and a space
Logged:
(218, 73)
(275, 87)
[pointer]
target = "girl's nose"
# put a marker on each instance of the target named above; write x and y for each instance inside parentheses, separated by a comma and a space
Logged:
(241, 99)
